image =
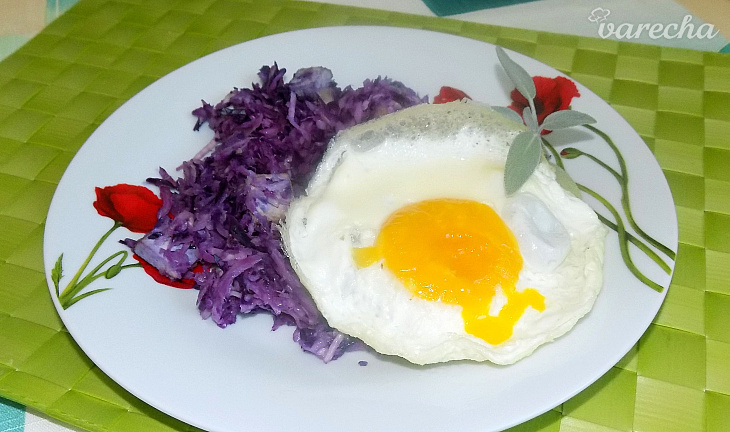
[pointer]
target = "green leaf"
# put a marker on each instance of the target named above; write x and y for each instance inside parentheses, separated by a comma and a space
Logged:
(566, 181)
(530, 120)
(508, 113)
(57, 273)
(522, 159)
(519, 77)
(83, 296)
(566, 119)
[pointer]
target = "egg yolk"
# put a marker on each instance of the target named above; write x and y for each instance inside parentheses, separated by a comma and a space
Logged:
(457, 252)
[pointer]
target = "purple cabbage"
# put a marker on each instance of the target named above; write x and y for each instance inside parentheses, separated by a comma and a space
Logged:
(223, 213)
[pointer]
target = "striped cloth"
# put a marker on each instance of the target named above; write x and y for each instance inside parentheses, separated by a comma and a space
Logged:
(15, 418)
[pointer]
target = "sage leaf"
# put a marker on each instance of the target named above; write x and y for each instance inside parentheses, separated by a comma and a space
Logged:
(519, 77)
(530, 119)
(566, 119)
(566, 181)
(57, 273)
(522, 159)
(508, 113)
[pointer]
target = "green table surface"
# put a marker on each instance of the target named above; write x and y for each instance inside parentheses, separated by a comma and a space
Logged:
(60, 86)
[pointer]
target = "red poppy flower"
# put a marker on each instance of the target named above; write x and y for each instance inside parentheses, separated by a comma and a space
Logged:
(553, 94)
(449, 94)
(135, 207)
(160, 278)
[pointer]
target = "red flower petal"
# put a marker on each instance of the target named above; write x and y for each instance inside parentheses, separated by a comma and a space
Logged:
(449, 94)
(138, 215)
(567, 90)
(519, 102)
(134, 206)
(158, 277)
(104, 206)
(552, 94)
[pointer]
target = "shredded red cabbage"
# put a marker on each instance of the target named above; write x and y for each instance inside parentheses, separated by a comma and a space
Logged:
(223, 212)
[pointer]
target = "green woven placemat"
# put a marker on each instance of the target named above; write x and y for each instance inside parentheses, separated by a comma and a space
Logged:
(60, 86)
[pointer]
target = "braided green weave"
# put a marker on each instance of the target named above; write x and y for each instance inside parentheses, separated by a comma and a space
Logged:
(60, 86)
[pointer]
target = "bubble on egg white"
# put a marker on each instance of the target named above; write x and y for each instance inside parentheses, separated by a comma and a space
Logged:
(440, 124)
(544, 241)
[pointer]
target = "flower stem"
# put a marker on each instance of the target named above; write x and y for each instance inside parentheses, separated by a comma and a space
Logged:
(556, 155)
(623, 244)
(71, 288)
(533, 112)
(84, 295)
(650, 253)
(638, 243)
(92, 276)
(623, 180)
(635, 241)
(619, 178)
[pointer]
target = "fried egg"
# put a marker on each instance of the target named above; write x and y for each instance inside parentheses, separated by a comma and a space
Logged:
(406, 240)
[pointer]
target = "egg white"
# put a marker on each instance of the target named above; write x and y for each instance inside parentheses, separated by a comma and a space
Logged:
(454, 150)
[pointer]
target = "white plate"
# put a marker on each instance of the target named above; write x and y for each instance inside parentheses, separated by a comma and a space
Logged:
(150, 339)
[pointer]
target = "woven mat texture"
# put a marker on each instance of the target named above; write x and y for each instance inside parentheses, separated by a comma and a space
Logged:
(60, 86)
